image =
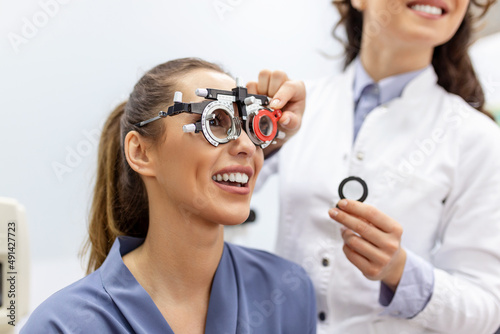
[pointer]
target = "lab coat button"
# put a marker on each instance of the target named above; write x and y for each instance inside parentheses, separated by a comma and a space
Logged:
(360, 156)
(322, 316)
(325, 262)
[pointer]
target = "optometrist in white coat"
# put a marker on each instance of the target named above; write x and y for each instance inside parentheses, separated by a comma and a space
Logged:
(422, 253)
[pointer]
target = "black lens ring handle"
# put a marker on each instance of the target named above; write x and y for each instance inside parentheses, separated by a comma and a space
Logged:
(357, 179)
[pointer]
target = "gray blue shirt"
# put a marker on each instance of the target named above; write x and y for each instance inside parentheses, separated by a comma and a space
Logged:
(252, 292)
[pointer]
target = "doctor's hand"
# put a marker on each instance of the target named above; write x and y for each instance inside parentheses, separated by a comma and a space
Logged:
(287, 95)
(372, 241)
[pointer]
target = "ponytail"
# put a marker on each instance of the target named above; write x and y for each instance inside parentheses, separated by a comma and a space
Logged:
(110, 216)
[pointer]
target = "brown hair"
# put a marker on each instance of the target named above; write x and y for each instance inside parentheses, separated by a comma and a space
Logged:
(451, 60)
(120, 202)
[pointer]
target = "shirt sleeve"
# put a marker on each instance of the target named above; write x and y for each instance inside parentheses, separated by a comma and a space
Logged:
(413, 292)
(466, 259)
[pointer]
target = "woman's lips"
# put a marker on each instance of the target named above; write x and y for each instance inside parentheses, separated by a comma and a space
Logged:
(234, 179)
(238, 190)
(431, 9)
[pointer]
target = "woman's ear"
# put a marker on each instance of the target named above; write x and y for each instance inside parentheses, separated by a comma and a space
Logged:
(360, 5)
(137, 154)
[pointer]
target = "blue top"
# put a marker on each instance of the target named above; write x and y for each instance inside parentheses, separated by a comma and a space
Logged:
(417, 283)
(252, 292)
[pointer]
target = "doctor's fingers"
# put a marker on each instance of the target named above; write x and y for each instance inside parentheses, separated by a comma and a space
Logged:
(291, 99)
(377, 260)
(356, 259)
(270, 82)
(372, 215)
(367, 268)
(365, 229)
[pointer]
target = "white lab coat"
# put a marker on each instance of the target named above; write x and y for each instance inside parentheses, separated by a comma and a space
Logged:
(432, 163)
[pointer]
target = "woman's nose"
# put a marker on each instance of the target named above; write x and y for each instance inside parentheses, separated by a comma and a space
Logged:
(243, 145)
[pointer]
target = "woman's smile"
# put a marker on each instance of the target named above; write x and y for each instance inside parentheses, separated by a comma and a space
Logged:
(430, 9)
(234, 179)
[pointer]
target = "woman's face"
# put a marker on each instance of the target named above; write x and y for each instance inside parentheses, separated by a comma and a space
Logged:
(188, 165)
(412, 22)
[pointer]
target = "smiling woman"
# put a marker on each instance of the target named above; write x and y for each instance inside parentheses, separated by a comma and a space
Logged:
(158, 261)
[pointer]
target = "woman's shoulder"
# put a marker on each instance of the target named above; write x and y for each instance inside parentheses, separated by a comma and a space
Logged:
(253, 256)
(277, 290)
(260, 265)
(81, 307)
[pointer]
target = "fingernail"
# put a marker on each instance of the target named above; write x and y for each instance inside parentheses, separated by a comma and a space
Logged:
(285, 121)
(334, 212)
(275, 103)
(342, 203)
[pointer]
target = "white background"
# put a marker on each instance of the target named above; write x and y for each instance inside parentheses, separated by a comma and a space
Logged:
(65, 65)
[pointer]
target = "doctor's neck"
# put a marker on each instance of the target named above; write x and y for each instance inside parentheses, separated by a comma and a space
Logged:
(381, 61)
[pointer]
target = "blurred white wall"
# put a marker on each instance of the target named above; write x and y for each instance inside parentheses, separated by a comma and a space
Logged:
(64, 64)
(485, 54)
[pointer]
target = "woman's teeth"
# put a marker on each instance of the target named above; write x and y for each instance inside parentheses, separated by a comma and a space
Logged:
(231, 177)
(428, 9)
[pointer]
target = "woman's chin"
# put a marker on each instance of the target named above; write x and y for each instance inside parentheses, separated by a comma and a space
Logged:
(234, 219)
(234, 222)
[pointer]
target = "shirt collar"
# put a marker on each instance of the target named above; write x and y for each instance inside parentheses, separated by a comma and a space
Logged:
(389, 88)
(140, 310)
(128, 295)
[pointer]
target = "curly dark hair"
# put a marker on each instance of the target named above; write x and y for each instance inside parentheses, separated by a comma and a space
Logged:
(451, 60)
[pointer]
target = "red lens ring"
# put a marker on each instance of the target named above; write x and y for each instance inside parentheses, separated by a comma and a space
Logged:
(256, 121)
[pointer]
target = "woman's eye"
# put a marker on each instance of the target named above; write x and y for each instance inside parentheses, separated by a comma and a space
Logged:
(215, 121)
